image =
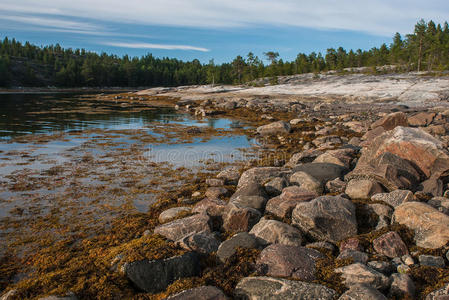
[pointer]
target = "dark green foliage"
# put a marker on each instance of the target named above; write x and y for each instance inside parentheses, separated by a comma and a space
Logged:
(28, 65)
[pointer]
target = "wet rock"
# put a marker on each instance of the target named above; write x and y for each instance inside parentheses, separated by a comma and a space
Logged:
(402, 286)
(242, 240)
(421, 119)
(361, 274)
(171, 213)
(336, 186)
(238, 218)
(202, 242)
(431, 227)
(351, 244)
(440, 294)
(440, 203)
(307, 182)
(155, 275)
(200, 293)
(181, 228)
(362, 292)
(211, 207)
(394, 198)
(275, 128)
(215, 182)
(326, 218)
(275, 232)
(275, 186)
(215, 192)
(432, 261)
(253, 288)
(289, 261)
(230, 176)
(390, 244)
(391, 121)
(362, 188)
(356, 256)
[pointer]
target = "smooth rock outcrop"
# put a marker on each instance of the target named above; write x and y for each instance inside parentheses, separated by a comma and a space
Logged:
(275, 232)
(356, 256)
(326, 218)
(265, 288)
(431, 227)
(181, 228)
(361, 274)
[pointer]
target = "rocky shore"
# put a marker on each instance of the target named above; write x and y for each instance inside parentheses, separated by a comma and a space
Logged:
(353, 204)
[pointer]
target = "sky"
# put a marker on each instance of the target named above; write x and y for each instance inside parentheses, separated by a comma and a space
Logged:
(210, 29)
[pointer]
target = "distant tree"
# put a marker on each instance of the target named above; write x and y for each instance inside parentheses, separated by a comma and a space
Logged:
(272, 56)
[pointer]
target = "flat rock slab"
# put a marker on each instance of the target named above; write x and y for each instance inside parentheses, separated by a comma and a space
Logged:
(267, 288)
(181, 228)
(200, 293)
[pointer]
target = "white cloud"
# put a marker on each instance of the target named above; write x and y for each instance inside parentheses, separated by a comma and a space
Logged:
(382, 17)
(156, 46)
(52, 23)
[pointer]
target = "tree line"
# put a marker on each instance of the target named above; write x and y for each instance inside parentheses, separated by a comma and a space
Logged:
(425, 49)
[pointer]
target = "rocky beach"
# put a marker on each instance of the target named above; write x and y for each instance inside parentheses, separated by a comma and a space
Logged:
(345, 196)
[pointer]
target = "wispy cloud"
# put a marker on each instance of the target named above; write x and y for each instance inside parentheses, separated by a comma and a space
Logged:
(155, 46)
(50, 22)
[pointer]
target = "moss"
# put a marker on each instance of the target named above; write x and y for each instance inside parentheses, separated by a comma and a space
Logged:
(427, 279)
(325, 272)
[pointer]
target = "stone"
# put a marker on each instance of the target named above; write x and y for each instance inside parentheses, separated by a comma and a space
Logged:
(328, 141)
(362, 292)
(264, 288)
(431, 261)
(296, 193)
(336, 186)
(242, 240)
(323, 172)
(327, 218)
(238, 218)
(181, 228)
(275, 186)
(362, 188)
(171, 213)
(351, 244)
(402, 286)
(390, 244)
(306, 182)
(10, 295)
(356, 256)
(440, 294)
(154, 276)
(255, 202)
(384, 267)
(69, 296)
(421, 119)
(275, 128)
(321, 245)
(431, 227)
(259, 175)
(383, 212)
(306, 156)
(282, 206)
(358, 273)
(440, 203)
(215, 182)
(370, 135)
(202, 242)
(211, 207)
(394, 198)
(250, 188)
(275, 232)
(215, 192)
(289, 261)
(206, 292)
(391, 121)
(408, 260)
(230, 176)
(341, 157)
(403, 269)
(433, 186)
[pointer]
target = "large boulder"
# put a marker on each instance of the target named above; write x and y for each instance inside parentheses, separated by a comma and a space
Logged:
(154, 276)
(181, 228)
(361, 274)
(431, 226)
(289, 261)
(307, 182)
(391, 121)
(258, 288)
(326, 218)
(341, 157)
(206, 292)
(275, 128)
(275, 232)
(323, 172)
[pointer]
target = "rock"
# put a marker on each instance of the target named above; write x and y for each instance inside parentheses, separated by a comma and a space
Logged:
(242, 240)
(336, 186)
(10, 295)
(341, 157)
(370, 135)
(202, 242)
(323, 172)
(230, 176)
(154, 276)
(360, 274)
(275, 232)
(257, 288)
(295, 121)
(433, 186)
(303, 157)
(391, 121)
(421, 119)
(215, 182)
(431, 227)
(394, 198)
(326, 218)
(283, 205)
(390, 244)
(440, 203)
(307, 182)
(362, 292)
(275, 186)
(356, 256)
(171, 213)
(431, 261)
(296, 193)
(200, 293)
(250, 188)
(238, 218)
(259, 175)
(215, 192)
(403, 269)
(362, 188)
(384, 267)
(255, 202)
(181, 228)
(408, 260)
(328, 141)
(321, 245)
(351, 244)
(289, 261)
(69, 296)
(211, 207)
(275, 128)
(383, 212)
(402, 286)
(440, 294)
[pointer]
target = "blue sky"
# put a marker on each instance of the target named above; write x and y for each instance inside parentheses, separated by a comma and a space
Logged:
(207, 29)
